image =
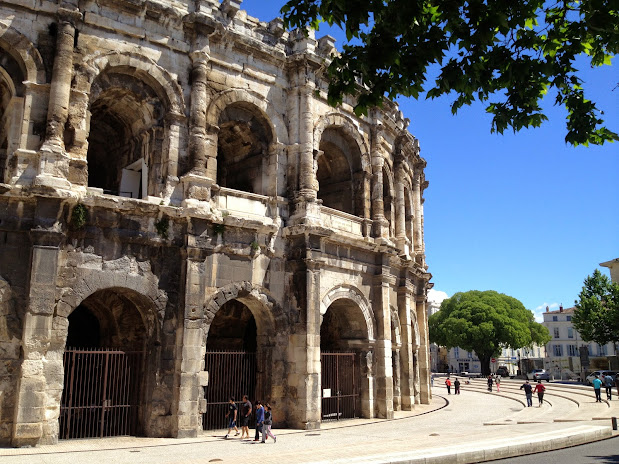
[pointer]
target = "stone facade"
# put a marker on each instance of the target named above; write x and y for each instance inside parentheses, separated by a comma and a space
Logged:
(169, 167)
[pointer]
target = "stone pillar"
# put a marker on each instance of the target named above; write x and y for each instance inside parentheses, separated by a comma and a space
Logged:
(308, 184)
(402, 241)
(381, 225)
(54, 163)
(409, 345)
(397, 380)
(424, 350)
(192, 348)
(384, 370)
(417, 237)
(40, 382)
(304, 382)
(202, 143)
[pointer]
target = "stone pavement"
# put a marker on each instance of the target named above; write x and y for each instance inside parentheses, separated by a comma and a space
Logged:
(472, 427)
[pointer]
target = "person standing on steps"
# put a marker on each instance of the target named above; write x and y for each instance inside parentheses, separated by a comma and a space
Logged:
(597, 386)
(539, 388)
(245, 414)
(456, 386)
(489, 383)
(497, 381)
(448, 385)
(528, 391)
(608, 383)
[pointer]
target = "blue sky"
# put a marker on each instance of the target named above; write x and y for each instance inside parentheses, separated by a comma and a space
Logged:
(523, 214)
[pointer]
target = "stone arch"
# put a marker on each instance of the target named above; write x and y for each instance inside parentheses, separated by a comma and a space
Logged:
(226, 98)
(270, 317)
(396, 330)
(160, 80)
(354, 294)
(350, 128)
(24, 52)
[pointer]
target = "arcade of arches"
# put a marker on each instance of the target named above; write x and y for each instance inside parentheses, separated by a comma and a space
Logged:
(186, 219)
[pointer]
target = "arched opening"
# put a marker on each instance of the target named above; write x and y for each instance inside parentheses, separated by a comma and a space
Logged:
(343, 339)
(11, 108)
(232, 354)
(242, 149)
(125, 142)
(104, 366)
(338, 163)
(408, 214)
(388, 200)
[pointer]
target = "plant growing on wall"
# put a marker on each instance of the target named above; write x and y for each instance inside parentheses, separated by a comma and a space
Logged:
(79, 216)
(162, 226)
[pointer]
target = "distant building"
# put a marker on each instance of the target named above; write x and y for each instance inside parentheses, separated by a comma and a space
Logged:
(613, 265)
(563, 352)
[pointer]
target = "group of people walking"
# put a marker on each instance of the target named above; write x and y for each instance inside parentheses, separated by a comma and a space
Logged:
(529, 390)
(264, 419)
(608, 383)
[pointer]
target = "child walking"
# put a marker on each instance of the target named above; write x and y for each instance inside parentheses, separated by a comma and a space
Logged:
(266, 427)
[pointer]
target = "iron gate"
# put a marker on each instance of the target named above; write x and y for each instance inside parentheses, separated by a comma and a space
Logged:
(101, 393)
(339, 391)
(230, 373)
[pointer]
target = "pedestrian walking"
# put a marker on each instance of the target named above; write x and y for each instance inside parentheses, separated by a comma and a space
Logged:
(597, 386)
(528, 391)
(231, 416)
(266, 427)
(608, 383)
(539, 388)
(259, 419)
(497, 381)
(456, 386)
(489, 383)
(448, 385)
(617, 382)
(245, 416)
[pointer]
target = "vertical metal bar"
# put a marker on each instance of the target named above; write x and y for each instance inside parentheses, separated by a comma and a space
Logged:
(70, 402)
(104, 393)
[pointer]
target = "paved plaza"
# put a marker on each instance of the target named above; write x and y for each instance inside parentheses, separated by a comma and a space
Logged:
(470, 427)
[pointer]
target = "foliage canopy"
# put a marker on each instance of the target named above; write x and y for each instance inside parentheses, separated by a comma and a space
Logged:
(485, 322)
(597, 310)
(507, 54)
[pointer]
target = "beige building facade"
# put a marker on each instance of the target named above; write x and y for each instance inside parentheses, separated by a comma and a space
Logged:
(176, 196)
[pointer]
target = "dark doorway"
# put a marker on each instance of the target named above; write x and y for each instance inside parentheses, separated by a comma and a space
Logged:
(84, 329)
(230, 361)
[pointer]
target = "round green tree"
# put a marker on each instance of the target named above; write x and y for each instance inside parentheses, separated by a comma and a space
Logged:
(485, 322)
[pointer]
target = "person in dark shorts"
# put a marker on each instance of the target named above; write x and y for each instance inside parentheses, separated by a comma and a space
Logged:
(245, 414)
(457, 386)
(232, 412)
(259, 420)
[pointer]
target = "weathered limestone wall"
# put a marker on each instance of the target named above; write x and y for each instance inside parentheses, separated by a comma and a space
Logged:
(161, 160)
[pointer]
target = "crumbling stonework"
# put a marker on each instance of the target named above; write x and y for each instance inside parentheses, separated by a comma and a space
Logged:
(171, 183)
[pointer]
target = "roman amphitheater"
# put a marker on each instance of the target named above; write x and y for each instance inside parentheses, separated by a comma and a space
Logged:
(184, 218)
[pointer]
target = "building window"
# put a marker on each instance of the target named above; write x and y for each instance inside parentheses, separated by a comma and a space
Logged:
(568, 318)
(457, 352)
(555, 318)
(556, 330)
(602, 350)
(570, 332)
(558, 350)
(470, 355)
(590, 349)
(572, 350)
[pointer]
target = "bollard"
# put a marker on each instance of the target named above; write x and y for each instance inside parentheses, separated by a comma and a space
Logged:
(614, 422)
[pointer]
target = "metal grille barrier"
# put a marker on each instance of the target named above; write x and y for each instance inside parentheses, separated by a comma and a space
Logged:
(101, 393)
(339, 392)
(231, 373)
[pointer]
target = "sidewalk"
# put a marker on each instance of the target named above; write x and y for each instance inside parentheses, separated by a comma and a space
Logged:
(449, 430)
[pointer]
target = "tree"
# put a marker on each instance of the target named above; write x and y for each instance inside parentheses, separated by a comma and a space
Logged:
(507, 54)
(485, 322)
(597, 310)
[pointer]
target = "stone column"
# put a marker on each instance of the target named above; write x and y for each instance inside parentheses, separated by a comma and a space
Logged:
(409, 345)
(304, 382)
(202, 143)
(381, 225)
(417, 237)
(397, 380)
(192, 348)
(424, 350)
(400, 219)
(40, 382)
(384, 370)
(54, 163)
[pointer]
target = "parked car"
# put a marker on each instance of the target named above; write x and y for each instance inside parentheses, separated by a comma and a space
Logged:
(502, 371)
(539, 374)
(600, 374)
